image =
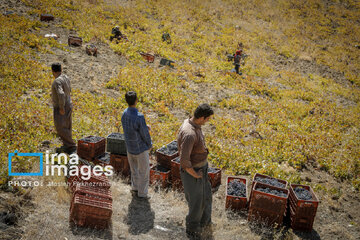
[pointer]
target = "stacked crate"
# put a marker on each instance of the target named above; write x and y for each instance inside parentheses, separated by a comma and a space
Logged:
(91, 207)
(236, 202)
(268, 207)
(118, 154)
(161, 173)
(91, 202)
(302, 212)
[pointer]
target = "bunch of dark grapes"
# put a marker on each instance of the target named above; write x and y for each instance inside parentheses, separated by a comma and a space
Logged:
(160, 168)
(302, 193)
(271, 191)
(119, 136)
(270, 181)
(236, 188)
(212, 170)
(92, 139)
(169, 149)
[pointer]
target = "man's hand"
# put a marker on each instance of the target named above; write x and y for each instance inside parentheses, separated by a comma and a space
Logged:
(62, 111)
(193, 173)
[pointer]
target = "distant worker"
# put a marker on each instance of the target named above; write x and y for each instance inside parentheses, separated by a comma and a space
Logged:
(116, 33)
(194, 172)
(60, 94)
(138, 144)
(237, 58)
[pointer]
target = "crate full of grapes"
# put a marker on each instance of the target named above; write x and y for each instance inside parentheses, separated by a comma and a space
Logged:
(160, 175)
(303, 205)
(91, 147)
(165, 154)
(236, 193)
(115, 144)
(268, 181)
(120, 164)
(214, 176)
(175, 168)
(268, 204)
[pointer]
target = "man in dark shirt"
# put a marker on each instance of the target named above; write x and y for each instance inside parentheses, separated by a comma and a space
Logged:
(138, 143)
(194, 171)
(60, 94)
(237, 58)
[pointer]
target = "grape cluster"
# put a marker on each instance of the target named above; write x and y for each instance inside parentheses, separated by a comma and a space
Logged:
(302, 193)
(236, 188)
(212, 170)
(104, 158)
(160, 168)
(92, 139)
(270, 181)
(169, 149)
(117, 136)
(271, 191)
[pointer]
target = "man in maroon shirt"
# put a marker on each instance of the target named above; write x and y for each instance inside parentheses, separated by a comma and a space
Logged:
(194, 171)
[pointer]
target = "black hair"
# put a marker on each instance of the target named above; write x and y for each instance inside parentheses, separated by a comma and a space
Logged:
(130, 97)
(56, 67)
(203, 110)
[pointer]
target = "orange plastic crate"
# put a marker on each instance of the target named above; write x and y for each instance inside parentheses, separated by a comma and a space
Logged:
(235, 202)
(91, 150)
(162, 178)
(215, 178)
(120, 164)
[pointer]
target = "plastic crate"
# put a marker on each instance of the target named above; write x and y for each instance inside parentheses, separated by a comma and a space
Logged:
(95, 193)
(175, 168)
(302, 212)
(266, 176)
(46, 17)
(116, 145)
(215, 178)
(267, 207)
(165, 160)
(103, 160)
(75, 41)
(148, 57)
(235, 202)
(88, 212)
(167, 62)
(176, 184)
(161, 178)
(120, 164)
(91, 50)
(90, 150)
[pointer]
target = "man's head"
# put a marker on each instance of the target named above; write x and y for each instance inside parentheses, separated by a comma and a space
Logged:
(203, 113)
(131, 98)
(56, 69)
(238, 52)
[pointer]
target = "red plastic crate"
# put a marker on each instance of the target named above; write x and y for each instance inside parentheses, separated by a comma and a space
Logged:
(175, 168)
(46, 17)
(234, 202)
(265, 176)
(120, 164)
(148, 57)
(95, 193)
(165, 160)
(75, 41)
(302, 212)
(85, 211)
(271, 206)
(89, 150)
(98, 181)
(215, 178)
(162, 178)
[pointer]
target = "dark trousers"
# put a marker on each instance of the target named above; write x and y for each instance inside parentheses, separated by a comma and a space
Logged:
(237, 68)
(63, 125)
(199, 198)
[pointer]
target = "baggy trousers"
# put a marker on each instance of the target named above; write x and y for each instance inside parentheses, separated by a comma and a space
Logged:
(199, 198)
(140, 171)
(63, 125)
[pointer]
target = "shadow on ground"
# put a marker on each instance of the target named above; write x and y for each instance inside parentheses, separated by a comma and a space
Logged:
(140, 217)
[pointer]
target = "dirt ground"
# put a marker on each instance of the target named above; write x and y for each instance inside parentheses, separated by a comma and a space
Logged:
(43, 212)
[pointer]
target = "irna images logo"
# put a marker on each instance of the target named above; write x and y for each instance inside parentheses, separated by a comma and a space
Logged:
(59, 164)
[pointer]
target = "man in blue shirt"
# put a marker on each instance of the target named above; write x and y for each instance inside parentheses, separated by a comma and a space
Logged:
(138, 143)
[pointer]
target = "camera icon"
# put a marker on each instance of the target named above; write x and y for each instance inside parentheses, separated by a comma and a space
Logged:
(12, 155)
